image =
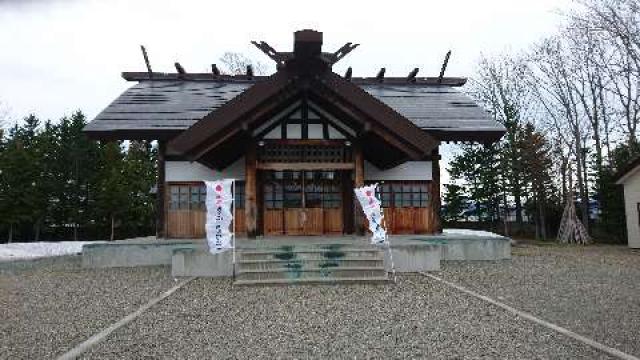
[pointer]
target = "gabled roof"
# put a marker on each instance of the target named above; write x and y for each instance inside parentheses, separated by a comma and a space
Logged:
(162, 109)
(236, 118)
(624, 173)
(397, 118)
(165, 106)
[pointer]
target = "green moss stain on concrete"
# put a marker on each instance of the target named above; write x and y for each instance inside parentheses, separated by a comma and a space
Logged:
(333, 254)
(329, 264)
(286, 253)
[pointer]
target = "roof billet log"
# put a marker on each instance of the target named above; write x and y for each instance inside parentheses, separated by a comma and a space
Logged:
(348, 74)
(380, 75)
(159, 76)
(214, 70)
(180, 70)
(412, 75)
(444, 66)
(146, 60)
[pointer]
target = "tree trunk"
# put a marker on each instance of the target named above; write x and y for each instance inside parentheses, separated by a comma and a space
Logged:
(10, 233)
(113, 228)
(518, 200)
(536, 218)
(505, 211)
(36, 229)
(563, 170)
(543, 223)
(582, 187)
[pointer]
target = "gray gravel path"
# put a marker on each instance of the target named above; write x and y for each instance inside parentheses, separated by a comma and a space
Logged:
(417, 318)
(594, 290)
(48, 306)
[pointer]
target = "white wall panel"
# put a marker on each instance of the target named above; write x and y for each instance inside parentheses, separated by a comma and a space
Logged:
(194, 171)
(632, 199)
(410, 170)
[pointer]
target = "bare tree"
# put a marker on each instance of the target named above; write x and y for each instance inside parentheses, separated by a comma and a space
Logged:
(554, 81)
(4, 118)
(617, 25)
(236, 64)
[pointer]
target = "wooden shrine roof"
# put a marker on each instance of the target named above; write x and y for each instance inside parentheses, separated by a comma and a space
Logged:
(164, 105)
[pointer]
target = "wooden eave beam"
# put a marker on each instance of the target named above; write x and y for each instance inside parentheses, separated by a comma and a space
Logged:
(240, 107)
(366, 124)
(244, 124)
(394, 126)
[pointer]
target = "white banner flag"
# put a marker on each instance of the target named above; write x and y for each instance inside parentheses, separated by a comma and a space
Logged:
(371, 206)
(219, 215)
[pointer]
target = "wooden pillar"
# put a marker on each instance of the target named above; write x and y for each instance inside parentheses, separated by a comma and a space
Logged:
(161, 229)
(358, 159)
(347, 202)
(250, 189)
(435, 192)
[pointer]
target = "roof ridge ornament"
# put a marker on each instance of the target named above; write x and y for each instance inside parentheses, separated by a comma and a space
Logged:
(307, 43)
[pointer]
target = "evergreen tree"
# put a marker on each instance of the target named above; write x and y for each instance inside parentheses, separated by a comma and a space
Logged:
(112, 196)
(75, 172)
(140, 176)
(536, 166)
(611, 196)
(479, 167)
(456, 203)
(20, 177)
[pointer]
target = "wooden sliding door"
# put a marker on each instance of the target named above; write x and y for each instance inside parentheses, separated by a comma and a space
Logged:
(302, 203)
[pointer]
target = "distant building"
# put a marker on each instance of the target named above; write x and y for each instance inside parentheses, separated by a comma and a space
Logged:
(629, 177)
(297, 141)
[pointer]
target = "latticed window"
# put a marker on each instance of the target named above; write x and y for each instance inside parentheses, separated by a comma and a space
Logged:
(187, 197)
(194, 196)
(403, 194)
(304, 153)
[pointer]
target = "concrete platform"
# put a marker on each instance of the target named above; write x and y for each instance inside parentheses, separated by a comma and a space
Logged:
(411, 253)
(198, 261)
(131, 253)
(464, 245)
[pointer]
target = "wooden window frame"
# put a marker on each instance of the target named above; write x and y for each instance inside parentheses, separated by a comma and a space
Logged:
(424, 196)
(202, 195)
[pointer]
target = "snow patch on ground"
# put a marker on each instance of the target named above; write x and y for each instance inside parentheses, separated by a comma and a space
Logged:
(33, 250)
(469, 232)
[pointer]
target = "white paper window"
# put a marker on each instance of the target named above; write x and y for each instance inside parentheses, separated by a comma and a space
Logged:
(294, 131)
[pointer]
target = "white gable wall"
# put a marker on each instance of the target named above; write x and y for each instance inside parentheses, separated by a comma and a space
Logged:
(410, 170)
(631, 184)
(186, 171)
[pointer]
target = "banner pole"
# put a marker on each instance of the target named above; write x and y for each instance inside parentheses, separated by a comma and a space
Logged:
(233, 218)
(386, 235)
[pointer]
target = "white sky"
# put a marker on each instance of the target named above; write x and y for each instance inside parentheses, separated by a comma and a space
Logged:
(59, 56)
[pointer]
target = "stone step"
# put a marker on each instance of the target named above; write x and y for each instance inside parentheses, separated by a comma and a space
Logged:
(309, 254)
(320, 263)
(319, 280)
(312, 273)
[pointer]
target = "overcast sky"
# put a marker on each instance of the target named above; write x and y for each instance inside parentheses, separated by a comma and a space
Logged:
(59, 56)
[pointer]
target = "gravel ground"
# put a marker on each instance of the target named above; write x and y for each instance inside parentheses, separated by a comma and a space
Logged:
(593, 290)
(48, 306)
(417, 318)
